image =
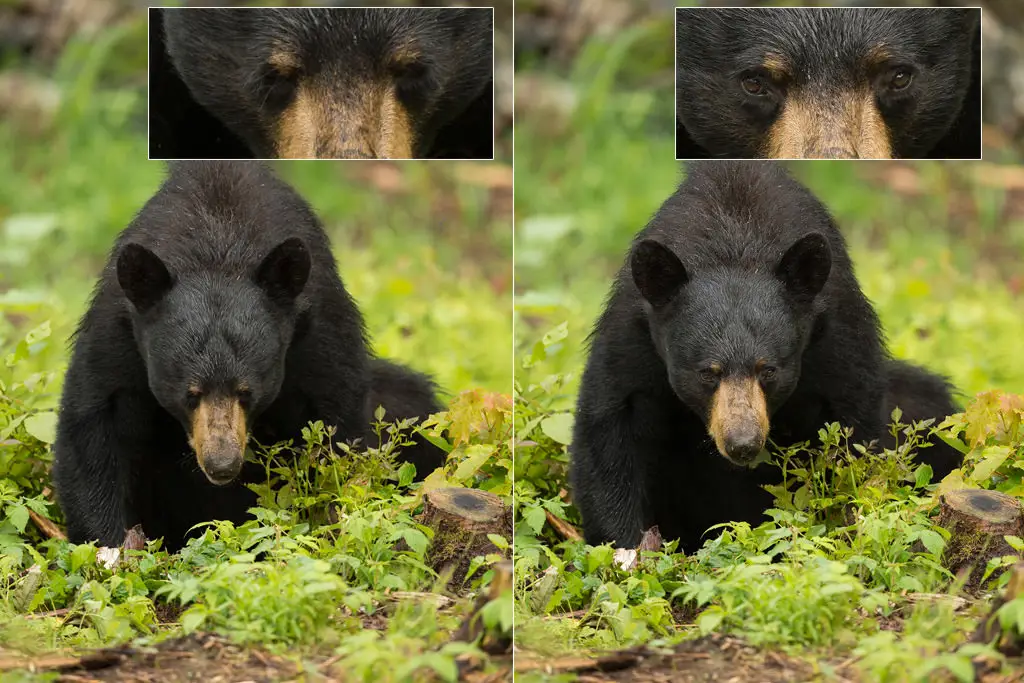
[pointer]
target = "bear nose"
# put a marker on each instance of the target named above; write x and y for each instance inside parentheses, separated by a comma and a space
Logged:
(222, 466)
(743, 444)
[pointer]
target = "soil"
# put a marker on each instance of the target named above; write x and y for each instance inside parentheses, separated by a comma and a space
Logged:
(717, 658)
(721, 659)
(205, 658)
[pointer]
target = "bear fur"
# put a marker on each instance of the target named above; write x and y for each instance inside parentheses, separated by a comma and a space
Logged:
(828, 83)
(737, 316)
(219, 317)
(326, 82)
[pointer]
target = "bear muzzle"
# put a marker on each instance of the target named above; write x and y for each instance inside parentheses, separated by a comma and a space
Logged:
(369, 123)
(813, 126)
(218, 437)
(739, 419)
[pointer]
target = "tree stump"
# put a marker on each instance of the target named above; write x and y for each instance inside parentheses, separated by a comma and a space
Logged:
(977, 521)
(461, 520)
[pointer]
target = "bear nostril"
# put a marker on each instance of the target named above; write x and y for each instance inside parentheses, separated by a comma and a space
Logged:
(222, 468)
(744, 446)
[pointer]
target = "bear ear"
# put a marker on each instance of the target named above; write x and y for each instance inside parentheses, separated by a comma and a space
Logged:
(143, 276)
(285, 270)
(657, 272)
(805, 266)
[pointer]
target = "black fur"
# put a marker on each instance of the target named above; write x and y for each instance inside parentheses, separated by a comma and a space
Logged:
(224, 280)
(937, 116)
(220, 88)
(749, 265)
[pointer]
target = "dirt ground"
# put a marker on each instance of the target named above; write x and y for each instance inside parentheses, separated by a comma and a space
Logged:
(207, 658)
(716, 659)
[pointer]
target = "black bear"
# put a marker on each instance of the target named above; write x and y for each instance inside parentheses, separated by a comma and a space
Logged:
(828, 83)
(321, 83)
(219, 317)
(736, 316)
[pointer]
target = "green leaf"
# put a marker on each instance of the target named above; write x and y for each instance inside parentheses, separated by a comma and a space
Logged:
(499, 541)
(406, 473)
(82, 555)
(558, 427)
(710, 619)
(535, 518)
(932, 540)
(961, 667)
(416, 539)
(923, 476)
(193, 618)
(556, 334)
(992, 458)
(18, 516)
(476, 456)
(42, 426)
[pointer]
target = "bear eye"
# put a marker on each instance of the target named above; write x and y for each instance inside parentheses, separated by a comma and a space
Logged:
(901, 79)
(192, 398)
(754, 85)
(768, 373)
(710, 375)
(414, 82)
(244, 396)
(278, 88)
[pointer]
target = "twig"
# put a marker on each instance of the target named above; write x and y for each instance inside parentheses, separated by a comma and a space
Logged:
(45, 615)
(46, 526)
(440, 601)
(614, 662)
(575, 614)
(564, 529)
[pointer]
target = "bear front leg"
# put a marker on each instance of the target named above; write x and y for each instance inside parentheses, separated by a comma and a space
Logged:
(94, 475)
(607, 473)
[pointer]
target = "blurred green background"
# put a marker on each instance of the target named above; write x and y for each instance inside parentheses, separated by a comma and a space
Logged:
(425, 247)
(937, 246)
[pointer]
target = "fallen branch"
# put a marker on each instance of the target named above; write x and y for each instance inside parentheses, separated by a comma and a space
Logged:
(100, 659)
(46, 526)
(564, 529)
(46, 615)
(613, 662)
(440, 601)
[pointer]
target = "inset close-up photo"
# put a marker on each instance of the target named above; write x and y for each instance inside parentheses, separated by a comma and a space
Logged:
(321, 83)
(828, 83)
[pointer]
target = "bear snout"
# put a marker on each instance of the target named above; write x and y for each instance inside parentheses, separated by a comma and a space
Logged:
(739, 419)
(223, 465)
(743, 443)
(218, 438)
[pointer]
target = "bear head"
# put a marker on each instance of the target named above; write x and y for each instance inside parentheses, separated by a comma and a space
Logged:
(732, 338)
(214, 346)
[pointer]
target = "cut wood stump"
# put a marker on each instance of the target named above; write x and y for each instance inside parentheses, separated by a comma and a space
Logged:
(977, 521)
(461, 520)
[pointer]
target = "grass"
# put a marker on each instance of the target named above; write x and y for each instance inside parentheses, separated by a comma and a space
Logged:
(935, 247)
(423, 247)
